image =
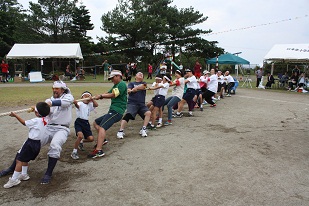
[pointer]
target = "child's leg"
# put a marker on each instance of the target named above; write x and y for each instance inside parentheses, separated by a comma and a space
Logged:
(78, 139)
(154, 114)
(89, 139)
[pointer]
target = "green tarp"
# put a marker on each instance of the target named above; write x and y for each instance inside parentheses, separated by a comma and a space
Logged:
(228, 59)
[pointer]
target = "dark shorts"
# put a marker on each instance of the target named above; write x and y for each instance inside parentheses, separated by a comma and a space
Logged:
(220, 85)
(158, 101)
(30, 150)
(83, 126)
(107, 120)
(189, 95)
(137, 108)
(198, 92)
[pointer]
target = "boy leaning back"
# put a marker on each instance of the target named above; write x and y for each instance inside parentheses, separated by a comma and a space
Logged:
(81, 125)
(32, 146)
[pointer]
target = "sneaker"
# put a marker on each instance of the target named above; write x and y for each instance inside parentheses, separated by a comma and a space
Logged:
(168, 123)
(213, 105)
(120, 134)
(45, 180)
(159, 125)
(179, 115)
(204, 102)
(96, 153)
(228, 95)
(106, 141)
(81, 147)
(201, 109)
(74, 156)
(24, 177)
(143, 132)
(6, 172)
(11, 183)
(190, 113)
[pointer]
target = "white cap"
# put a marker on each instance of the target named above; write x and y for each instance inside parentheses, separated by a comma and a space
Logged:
(114, 73)
(59, 84)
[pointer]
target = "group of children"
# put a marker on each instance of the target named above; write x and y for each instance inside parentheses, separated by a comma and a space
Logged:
(187, 88)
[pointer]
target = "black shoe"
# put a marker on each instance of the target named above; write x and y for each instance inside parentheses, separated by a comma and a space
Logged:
(6, 172)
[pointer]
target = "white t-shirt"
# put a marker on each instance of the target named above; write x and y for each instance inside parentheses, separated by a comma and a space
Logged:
(212, 84)
(178, 90)
(220, 79)
(229, 79)
(36, 128)
(84, 110)
(192, 84)
(163, 91)
(156, 91)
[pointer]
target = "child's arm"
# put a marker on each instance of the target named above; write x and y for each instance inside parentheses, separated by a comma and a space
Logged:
(22, 121)
(95, 103)
(76, 104)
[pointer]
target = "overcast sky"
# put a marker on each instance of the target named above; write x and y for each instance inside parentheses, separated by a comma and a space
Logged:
(224, 15)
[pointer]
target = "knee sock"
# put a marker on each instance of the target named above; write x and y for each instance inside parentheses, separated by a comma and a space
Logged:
(51, 165)
(13, 165)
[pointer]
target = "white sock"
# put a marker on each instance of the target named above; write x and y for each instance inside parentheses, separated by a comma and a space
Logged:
(160, 120)
(24, 170)
(82, 141)
(15, 175)
(74, 150)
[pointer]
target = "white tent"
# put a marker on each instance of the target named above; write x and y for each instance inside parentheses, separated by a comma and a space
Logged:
(292, 53)
(44, 51)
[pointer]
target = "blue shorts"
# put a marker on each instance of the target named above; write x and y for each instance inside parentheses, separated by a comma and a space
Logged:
(189, 95)
(107, 120)
(137, 108)
(30, 150)
(158, 101)
(82, 125)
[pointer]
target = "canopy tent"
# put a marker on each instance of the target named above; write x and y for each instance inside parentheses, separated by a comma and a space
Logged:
(228, 59)
(292, 53)
(44, 51)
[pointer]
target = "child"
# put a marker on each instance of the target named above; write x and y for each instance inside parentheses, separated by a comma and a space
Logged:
(31, 147)
(159, 98)
(81, 125)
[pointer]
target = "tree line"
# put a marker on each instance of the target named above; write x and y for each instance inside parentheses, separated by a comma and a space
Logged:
(141, 29)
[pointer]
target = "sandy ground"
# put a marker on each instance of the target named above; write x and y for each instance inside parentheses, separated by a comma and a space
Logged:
(252, 149)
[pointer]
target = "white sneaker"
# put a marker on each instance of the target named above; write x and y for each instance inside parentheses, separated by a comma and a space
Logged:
(219, 98)
(159, 125)
(143, 132)
(11, 183)
(120, 134)
(74, 156)
(24, 177)
(190, 113)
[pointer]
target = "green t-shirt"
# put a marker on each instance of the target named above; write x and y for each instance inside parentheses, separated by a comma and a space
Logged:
(119, 104)
(105, 66)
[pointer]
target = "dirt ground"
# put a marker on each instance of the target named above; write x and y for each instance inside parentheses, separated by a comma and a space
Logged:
(252, 149)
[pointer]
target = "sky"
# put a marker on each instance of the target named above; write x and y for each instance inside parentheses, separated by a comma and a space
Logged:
(248, 26)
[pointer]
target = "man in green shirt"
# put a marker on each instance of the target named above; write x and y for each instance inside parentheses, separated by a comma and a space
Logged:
(118, 96)
(105, 66)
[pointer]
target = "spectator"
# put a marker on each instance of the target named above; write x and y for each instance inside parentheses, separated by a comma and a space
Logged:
(259, 73)
(270, 81)
(5, 71)
(197, 69)
(68, 72)
(105, 66)
(149, 71)
(293, 81)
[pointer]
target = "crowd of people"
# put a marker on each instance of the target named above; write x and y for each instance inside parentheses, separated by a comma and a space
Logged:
(54, 116)
(296, 81)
